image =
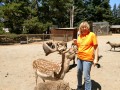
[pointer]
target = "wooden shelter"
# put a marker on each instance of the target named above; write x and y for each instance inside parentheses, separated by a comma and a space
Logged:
(115, 28)
(64, 34)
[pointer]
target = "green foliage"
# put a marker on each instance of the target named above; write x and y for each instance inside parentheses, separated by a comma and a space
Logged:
(35, 16)
(1, 32)
(1, 28)
(33, 26)
(9, 38)
(56, 11)
(14, 15)
(118, 11)
(12, 36)
(116, 14)
(92, 10)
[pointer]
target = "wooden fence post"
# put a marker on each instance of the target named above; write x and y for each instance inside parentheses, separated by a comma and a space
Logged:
(27, 39)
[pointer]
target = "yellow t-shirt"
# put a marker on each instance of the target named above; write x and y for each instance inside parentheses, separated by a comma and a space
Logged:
(86, 46)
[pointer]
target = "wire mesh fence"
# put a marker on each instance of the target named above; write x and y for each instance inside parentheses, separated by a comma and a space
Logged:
(101, 28)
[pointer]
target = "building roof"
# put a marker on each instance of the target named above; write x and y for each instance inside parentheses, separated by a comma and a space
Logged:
(115, 26)
(66, 28)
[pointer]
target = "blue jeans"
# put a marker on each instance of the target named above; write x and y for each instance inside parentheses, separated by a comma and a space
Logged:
(84, 68)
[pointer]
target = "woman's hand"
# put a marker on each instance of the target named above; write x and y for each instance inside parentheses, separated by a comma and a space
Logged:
(75, 41)
(95, 62)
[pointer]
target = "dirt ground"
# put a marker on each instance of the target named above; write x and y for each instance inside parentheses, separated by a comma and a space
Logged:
(16, 72)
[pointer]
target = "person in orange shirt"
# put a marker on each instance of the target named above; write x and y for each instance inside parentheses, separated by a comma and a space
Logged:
(87, 54)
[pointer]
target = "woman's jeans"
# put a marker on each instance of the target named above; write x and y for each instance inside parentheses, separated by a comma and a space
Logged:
(84, 68)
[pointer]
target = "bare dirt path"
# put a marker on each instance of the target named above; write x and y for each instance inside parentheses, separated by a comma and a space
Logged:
(16, 72)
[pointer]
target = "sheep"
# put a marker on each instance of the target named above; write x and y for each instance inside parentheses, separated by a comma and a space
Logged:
(113, 45)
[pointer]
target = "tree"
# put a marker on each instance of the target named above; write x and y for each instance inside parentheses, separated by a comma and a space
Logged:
(114, 11)
(92, 10)
(118, 11)
(33, 26)
(107, 13)
(39, 14)
(14, 15)
(18, 12)
(79, 10)
(1, 19)
(56, 11)
(116, 14)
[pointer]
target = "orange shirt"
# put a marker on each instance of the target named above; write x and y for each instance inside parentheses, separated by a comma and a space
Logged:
(86, 46)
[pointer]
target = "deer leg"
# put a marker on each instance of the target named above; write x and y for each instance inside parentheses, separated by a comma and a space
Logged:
(43, 80)
(36, 76)
(111, 48)
(74, 61)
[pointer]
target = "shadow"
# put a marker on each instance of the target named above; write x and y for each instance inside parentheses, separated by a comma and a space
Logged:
(98, 65)
(114, 50)
(95, 85)
(72, 66)
(6, 44)
(99, 57)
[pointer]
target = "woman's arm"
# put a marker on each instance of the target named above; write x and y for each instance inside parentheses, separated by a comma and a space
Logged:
(96, 55)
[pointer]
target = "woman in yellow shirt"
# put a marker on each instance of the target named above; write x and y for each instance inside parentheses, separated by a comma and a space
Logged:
(87, 54)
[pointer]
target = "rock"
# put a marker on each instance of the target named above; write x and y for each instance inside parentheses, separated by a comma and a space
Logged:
(53, 85)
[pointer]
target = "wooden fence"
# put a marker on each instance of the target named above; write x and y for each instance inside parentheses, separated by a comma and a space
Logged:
(29, 38)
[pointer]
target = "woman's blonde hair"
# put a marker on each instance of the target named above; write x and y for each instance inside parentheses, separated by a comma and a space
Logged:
(85, 23)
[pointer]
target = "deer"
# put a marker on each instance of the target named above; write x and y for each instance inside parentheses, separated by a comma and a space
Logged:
(61, 46)
(48, 70)
(49, 47)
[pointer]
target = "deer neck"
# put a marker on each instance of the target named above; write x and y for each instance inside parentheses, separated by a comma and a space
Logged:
(61, 73)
